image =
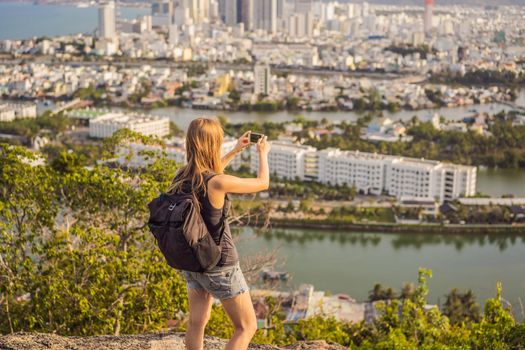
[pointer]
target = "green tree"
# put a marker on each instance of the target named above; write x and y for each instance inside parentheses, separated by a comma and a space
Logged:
(461, 307)
(495, 326)
(76, 257)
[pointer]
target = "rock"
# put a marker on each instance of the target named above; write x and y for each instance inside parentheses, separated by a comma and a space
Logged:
(151, 341)
(316, 344)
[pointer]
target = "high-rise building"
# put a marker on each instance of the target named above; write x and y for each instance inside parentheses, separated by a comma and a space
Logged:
(246, 13)
(198, 10)
(222, 9)
(181, 12)
(281, 8)
(300, 25)
(262, 79)
(328, 11)
(201, 10)
(427, 22)
(365, 8)
(161, 7)
(107, 21)
(214, 10)
(351, 13)
(107, 43)
(162, 13)
(237, 11)
(303, 6)
(230, 12)
(266, 15)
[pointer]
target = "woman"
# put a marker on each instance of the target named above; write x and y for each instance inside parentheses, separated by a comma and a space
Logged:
(203, 176)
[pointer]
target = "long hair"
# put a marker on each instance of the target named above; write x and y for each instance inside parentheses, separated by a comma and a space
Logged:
(203, 154)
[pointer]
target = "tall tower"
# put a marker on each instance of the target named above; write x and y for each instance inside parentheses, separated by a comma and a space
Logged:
(107, 21)
(266, 14)
(281, 8)
(262, 79)
(181, 12)
(303, 6)
(231, 10)
(246, 13)
(427, 21)
(200, 10)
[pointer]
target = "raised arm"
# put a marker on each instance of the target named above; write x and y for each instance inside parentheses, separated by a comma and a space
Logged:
(222, 184)
(242, 143)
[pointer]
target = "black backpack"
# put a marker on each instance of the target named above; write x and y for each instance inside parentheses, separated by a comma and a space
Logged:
(181, 233)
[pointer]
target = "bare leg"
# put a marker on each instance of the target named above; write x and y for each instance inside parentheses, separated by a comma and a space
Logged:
(200, 302)
(240, 310)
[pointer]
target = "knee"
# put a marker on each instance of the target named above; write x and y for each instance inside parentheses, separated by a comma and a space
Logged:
(199, 321)
(249, 327)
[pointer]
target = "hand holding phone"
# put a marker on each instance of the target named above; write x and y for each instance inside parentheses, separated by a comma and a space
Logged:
(254, 137)
(263, 147)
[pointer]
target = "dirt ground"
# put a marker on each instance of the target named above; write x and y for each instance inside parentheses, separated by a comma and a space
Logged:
(154, 341)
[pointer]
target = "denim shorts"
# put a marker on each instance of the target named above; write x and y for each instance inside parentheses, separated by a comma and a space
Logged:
(222, 282)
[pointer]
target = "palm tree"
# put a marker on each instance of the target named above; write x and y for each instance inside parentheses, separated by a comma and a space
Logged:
(376, 293)
(408, 291)
(461, 307)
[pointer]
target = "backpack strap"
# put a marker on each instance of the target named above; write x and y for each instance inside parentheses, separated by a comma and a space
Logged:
(208, 176)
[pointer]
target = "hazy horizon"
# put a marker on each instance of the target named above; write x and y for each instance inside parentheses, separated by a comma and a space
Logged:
(387, 2)
(444, 2)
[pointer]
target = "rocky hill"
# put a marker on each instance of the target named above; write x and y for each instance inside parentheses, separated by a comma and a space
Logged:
(154, 341)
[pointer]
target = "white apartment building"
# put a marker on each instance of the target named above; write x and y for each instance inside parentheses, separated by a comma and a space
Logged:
(433, 179)
(107, 124)
(6, 114)
(405, 177)
(288, 161)
(457, 181)
(25, 110)
(371, 173)
(12, 111)
(362, 170)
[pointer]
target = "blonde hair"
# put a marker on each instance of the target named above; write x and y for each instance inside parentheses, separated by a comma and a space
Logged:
(203, 154)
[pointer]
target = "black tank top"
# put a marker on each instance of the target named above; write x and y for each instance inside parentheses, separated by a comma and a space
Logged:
(217, 223)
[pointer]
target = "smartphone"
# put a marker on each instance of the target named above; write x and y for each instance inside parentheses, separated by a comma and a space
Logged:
(254, 137)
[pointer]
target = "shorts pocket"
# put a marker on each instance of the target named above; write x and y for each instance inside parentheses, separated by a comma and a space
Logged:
(220, 280)
(238, 283)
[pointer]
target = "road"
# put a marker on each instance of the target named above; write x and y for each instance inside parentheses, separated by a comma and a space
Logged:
(222, 66)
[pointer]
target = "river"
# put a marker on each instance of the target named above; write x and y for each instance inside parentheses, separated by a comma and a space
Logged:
(22, 20)
(183, 116)
(352, 263)
(498, 182)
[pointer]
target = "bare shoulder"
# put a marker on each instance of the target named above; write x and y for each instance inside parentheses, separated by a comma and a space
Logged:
(221, 181)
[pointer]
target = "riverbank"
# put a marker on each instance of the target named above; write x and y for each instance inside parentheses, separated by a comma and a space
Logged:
(394, 228)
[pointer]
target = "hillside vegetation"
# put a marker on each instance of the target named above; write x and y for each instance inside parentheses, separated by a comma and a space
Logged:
(77, 259)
